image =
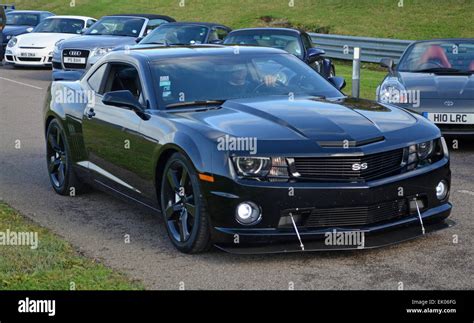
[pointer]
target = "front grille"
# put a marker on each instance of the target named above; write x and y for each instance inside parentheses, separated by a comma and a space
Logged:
(75, 54)
(29, 47)
(351, 216)
(359, 168)
(29, 59)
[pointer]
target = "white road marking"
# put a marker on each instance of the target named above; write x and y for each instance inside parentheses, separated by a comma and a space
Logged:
(21, 83)
(466, 192)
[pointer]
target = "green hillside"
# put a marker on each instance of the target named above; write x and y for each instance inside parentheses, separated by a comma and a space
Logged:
(416, 19)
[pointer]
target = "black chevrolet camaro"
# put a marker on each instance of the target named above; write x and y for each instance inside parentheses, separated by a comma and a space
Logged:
(247, 149)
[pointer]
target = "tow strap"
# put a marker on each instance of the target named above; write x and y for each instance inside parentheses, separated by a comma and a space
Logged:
(297, 232)
(419, 216)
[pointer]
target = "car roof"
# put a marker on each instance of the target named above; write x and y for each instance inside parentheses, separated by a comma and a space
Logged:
(71, 17)
(442, 39)
(197, 23)
(163, 52)
(287, 30)
(29, 11)
(148, 16)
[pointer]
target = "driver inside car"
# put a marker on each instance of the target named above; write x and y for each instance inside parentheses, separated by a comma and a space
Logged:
(238, 81)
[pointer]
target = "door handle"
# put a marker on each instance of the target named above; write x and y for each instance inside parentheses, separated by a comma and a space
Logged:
(90, 113)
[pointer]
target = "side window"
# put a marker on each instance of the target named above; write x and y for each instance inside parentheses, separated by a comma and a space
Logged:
(95, 80)
(45, 15)
(90, 22)
(307, 41)
(124, 77)
(221, 33)
(213, 35)
(154, 23)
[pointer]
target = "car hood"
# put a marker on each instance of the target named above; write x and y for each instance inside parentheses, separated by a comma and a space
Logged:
(90, 42)
(306, 118)
(42, 39)
(433, 86)
(12, 30)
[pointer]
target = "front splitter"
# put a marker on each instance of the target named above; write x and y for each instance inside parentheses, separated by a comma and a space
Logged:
(371, 241)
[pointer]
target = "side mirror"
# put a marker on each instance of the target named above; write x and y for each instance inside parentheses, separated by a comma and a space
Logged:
(314, 54)
(123, 99)
(387, 63)
(139, 39)
(83, 30)
(338, 82)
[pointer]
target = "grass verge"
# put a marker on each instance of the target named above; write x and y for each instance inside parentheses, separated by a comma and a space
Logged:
(53, 265)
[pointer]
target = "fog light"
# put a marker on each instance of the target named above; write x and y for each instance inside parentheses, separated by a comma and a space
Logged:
(442, 190)
(248, 213)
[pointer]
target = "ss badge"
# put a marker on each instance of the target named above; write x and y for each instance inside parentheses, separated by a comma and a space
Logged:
(358, 166)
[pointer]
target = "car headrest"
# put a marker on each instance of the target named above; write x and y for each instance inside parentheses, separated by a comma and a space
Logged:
(128, 74)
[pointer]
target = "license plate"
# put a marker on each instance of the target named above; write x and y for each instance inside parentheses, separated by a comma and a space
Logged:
(75, 60)
(450, 118)
(27, 54)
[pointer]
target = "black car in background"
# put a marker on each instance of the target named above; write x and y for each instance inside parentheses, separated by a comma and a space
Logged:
(294, 41)
(253, 153)
(187, 33)
(434, 78)
(21, 22)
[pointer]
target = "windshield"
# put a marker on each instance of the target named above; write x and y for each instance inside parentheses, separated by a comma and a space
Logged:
(439, 56)
(227, 77)
(117, 26)
(174, 35)
(289, 43)
(60, 25)
(22, 19)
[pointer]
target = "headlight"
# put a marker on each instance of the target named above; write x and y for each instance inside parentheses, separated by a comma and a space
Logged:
(56, 46)
(425, 153)
(101, 51)
(252, 166)
(273, 169)
(392, 91)
(425, 149)
(12, 42)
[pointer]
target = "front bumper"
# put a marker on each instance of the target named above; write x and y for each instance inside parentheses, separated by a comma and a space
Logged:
(28, 57)
(273, 198)
(273, 241)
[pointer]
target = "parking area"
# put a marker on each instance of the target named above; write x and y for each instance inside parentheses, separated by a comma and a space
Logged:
(99, 225)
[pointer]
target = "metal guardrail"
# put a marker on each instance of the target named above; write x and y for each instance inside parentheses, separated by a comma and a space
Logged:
(372, 49)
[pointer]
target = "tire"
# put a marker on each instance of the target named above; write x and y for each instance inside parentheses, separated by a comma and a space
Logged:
(58, 161)
(183, 207)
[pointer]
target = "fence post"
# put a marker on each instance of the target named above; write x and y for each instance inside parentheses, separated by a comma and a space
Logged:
(356, 73)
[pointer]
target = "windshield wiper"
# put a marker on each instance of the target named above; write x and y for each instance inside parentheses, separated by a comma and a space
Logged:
(195, 103)
(443, 70)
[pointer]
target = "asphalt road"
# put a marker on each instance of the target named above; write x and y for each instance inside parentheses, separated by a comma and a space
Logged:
(96, 224)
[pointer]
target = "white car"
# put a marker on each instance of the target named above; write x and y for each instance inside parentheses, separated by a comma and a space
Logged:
(36, 48)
